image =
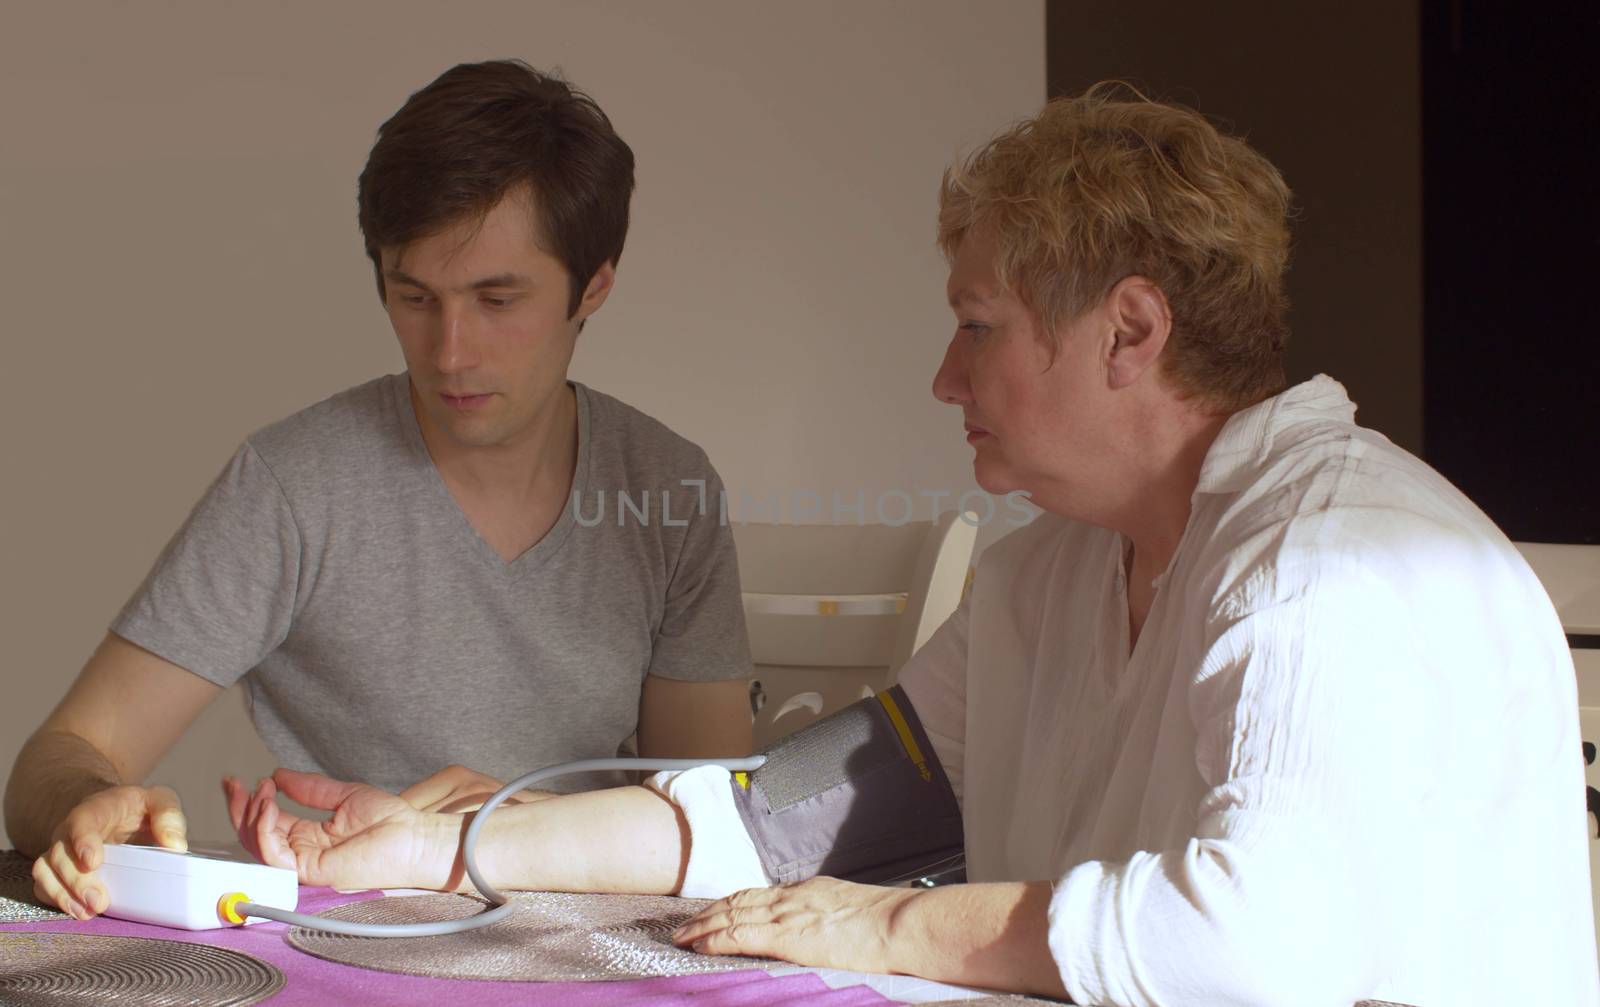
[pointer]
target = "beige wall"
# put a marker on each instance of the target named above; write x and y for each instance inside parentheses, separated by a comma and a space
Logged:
(180, 261)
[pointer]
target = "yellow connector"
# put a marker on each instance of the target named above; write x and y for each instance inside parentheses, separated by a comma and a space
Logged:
(227, 909)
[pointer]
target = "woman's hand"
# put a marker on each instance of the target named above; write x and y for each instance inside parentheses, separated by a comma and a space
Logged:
(374, 839)
(822, 922)
(993, 935)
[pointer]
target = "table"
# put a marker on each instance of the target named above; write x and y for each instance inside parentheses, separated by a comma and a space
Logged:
(313, 982)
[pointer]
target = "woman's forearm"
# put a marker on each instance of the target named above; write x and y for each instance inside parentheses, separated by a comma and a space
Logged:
(628, 839)
(992, 935)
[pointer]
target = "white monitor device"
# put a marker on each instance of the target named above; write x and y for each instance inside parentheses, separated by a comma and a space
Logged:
(190, 891)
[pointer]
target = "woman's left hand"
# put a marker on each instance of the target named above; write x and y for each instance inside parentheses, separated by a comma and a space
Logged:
(823, 922)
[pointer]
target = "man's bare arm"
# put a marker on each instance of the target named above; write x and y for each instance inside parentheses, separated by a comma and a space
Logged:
(694, 720)
(629, 839)
(632, 839)
(70, 787)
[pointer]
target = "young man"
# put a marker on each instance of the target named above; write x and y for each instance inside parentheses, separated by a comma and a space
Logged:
(411, 573)
(1261, 711)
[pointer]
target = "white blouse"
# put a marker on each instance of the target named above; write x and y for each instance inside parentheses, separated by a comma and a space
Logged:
(1342, 761)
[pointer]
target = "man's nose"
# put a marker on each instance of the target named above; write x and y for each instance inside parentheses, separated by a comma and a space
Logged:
(457, 346)
(950, 381)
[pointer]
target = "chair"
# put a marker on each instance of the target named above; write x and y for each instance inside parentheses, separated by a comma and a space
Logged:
(834, 611)
(1571, 576)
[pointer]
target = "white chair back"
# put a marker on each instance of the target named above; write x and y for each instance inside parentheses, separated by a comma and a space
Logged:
(834, 611)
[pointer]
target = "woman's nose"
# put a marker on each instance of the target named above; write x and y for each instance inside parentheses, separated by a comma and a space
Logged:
(950, 381)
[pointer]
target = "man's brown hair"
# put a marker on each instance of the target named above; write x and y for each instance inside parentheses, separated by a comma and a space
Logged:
(482, 131)
(1108, 185)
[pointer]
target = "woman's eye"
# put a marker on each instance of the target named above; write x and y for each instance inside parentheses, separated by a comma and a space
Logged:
(975, 329)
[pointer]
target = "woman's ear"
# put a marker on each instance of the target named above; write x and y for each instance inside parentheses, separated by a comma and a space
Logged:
(1141, 323)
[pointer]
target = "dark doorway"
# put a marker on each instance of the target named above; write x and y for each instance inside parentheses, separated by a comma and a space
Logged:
(1511, 252)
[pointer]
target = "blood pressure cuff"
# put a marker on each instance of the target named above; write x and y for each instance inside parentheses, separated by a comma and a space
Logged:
(859, 795)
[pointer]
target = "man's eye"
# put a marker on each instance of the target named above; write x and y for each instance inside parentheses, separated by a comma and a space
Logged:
(415, 300)
(499, 302)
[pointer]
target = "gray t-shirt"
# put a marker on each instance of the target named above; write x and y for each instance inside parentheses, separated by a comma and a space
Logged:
(379, 638)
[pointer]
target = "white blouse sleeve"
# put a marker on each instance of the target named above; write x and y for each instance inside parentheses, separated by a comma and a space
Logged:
(1307, 706)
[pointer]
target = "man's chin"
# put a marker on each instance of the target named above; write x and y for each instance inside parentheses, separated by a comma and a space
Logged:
(468, 431)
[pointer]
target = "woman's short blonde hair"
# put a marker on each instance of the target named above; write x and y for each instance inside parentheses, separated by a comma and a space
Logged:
(1109, 185)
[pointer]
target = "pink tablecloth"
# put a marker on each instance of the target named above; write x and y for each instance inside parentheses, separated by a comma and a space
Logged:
(313, 982)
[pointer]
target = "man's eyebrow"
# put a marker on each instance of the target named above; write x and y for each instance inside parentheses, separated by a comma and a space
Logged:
(503, 280)
(498, 281)
(396, 276)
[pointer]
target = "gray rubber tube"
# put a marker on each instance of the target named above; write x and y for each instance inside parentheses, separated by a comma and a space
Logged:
(499, 907)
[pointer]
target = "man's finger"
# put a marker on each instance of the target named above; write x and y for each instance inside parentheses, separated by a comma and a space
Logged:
(233, 791)
(313, 789)
(111, 815)
(308, 861)
(239, 809)
(167, 824)
(76, 886)
(259, 799)
(269, 840)
(47, 888)
(446, 783)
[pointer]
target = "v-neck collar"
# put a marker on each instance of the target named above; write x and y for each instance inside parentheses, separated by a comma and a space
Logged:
(540, 552)
(1127, 651)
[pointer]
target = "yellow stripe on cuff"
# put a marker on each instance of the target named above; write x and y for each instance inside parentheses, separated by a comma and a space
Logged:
(906, 738)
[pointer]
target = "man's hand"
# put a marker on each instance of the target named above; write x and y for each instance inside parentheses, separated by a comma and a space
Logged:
(822, 922)
(457, 789)
(373, 840)
(64, 875)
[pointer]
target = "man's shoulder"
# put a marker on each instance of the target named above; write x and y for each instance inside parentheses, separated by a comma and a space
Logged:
(647, 450)
(346, 428)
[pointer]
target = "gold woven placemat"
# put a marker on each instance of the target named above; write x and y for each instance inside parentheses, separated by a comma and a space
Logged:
(17, 904)
(550, 937)
(56, 970)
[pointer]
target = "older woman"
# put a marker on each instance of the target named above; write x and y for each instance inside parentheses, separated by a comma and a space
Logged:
(1261, 711)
